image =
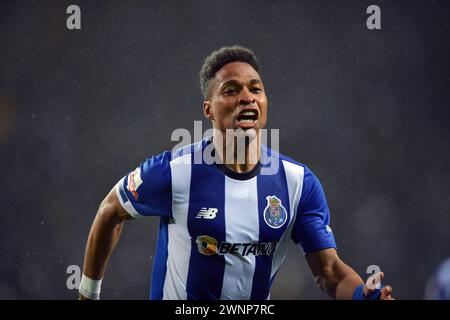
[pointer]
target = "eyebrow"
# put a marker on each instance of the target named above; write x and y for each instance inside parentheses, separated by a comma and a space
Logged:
(232, 81)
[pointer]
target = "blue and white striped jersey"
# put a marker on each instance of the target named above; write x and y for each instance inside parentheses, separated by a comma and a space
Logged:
(224, 235)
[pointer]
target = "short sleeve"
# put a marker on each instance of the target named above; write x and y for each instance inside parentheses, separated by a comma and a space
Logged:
(147, 191)
(311, 229)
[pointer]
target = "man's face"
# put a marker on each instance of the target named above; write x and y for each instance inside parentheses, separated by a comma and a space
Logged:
(237, 98)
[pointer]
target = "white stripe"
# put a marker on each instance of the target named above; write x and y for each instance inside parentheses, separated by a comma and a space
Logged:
(241, 226)
(126, 205)
(179, 247)
(294, 181)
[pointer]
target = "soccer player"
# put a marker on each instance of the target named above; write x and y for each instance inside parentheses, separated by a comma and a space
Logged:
(225, 225)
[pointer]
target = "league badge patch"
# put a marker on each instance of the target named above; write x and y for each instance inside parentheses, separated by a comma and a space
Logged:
(134, 181)
(275, 214)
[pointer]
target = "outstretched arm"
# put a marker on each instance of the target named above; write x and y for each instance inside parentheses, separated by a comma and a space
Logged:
(103, 237)
(336, 278)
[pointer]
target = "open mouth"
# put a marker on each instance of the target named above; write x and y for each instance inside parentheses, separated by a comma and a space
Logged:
(247, 118)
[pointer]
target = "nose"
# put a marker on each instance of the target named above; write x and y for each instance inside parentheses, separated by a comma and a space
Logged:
(246, 97)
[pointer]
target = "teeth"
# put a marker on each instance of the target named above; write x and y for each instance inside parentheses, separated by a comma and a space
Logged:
(246, 121)
(248, 113)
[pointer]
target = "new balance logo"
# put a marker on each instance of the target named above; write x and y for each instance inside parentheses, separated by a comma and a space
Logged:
(207, 213)
(240, 194)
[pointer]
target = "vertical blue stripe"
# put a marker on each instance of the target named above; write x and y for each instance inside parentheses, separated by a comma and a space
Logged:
(205, 275)
(269, 185)
(159, 264)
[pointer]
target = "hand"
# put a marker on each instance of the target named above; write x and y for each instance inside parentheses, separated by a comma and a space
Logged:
(371, 284)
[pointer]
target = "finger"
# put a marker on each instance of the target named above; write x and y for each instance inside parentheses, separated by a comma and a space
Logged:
(386, 290)
(386, 293)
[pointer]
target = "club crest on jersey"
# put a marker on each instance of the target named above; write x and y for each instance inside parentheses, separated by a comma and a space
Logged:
(275, 214)
(134, 181)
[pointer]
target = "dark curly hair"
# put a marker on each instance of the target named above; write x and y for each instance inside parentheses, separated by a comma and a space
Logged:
(221, 57)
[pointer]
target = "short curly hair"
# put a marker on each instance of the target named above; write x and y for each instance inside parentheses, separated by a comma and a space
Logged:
(221, 57)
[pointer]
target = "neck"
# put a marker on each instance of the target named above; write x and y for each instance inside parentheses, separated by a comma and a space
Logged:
(238, 150)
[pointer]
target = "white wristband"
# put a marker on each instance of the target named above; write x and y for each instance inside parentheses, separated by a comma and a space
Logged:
(90, 288)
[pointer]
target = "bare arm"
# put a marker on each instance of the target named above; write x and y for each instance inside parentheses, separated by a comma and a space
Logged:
(337, 279)
(104, 235)
(332, 275)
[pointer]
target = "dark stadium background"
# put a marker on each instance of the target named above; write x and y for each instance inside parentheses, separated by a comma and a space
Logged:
(368, 111)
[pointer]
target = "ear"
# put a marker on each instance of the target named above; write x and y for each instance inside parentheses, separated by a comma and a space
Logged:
(207, 110)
